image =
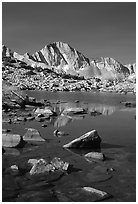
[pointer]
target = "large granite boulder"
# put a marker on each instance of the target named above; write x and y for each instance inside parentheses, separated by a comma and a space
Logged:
(90, 139)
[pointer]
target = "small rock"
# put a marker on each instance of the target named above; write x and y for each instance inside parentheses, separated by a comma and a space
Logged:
(58, 133)
(14, 167)
(95, 155)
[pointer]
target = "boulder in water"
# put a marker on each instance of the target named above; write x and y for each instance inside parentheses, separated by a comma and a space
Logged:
(95, 155)
(32, 135)
(12, 140)
(90, 139)
(45, 111)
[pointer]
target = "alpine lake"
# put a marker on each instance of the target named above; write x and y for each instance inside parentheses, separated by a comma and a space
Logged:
(115, 124)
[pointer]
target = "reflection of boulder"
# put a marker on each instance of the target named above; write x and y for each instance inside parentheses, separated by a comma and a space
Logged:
(62, 120)
(74, 110)
(102, 108)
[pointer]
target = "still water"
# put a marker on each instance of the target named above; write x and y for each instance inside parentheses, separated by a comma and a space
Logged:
(116, 126)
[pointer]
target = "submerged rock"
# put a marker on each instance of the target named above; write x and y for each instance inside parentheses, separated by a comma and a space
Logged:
(12, 140)
(99, 193)
(74, 110)
(33, 135)
(81, 194)
(13, 170)
(90, 139)
(95, 155)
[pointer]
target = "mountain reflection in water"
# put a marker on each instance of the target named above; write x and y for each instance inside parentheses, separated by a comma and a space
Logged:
(64, 119)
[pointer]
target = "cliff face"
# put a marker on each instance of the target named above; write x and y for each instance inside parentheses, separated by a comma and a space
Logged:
(63, 58)
(6, 52)
(108, 67)
(132, 68)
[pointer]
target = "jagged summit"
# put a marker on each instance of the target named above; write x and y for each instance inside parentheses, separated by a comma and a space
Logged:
(6, 52)
(63, 58)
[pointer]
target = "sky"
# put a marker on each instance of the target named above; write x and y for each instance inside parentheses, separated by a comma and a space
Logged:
(95, 29)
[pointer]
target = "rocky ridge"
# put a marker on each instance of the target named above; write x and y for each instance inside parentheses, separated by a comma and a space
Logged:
(60, 67)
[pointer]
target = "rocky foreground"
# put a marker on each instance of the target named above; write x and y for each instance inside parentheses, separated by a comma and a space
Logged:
(37, 169)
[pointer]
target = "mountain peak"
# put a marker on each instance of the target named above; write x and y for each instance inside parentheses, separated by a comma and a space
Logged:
(63, 58)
